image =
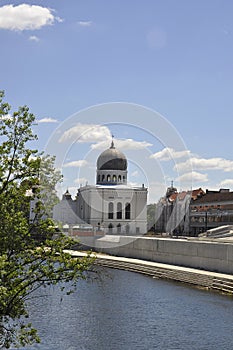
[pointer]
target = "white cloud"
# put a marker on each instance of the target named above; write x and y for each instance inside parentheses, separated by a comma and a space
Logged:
(85, 23)
(227, 182)
(59, 19)
(206, 164)
(135, 173)
(76, 164)
(169, 153)
(193, 161)
(193, 176)
(86, 133)
(127, 144)
(25, 17)
(47, 120)
(81, 181)
(100, 136)
(34, 38)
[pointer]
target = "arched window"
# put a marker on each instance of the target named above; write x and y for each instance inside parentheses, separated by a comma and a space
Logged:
(110, 228)
(110, 210)
(119, 211)
(119, 228)
(108, 178)
(98, 178)
(119, 178)
(123, 178)
(102, 178)
(127, 211)
(114, 178)
(127, 228)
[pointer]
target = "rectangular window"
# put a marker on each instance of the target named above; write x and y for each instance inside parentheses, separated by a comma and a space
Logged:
(127, 211)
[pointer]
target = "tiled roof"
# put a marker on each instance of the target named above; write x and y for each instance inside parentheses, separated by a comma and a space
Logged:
(181, 195)
(197, 193)
(173, 197)
(214, 196)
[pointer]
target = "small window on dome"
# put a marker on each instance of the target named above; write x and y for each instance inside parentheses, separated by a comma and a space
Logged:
(119, 178)
(114, 178)
(103, 178)
(98, 179)
(108, 178)
(123, 178)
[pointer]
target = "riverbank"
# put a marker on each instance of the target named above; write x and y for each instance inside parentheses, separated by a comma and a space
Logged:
(215, 256)
(214, 281)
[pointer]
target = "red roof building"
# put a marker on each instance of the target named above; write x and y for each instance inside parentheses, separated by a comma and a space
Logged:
(213, 209)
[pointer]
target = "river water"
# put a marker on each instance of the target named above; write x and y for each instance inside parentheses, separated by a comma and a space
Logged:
(129, 311)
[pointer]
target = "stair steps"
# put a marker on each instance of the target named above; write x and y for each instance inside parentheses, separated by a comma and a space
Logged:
(223, 285)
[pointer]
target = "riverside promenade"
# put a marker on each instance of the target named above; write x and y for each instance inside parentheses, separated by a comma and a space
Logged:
(208, 280)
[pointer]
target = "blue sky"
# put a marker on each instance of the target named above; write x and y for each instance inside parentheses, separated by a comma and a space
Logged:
(173, 57)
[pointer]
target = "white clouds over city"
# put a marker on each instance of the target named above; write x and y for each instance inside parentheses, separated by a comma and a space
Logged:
(86, 133)
(100, 136)
(192, 176)
(76, 164)
(193, 161)
(194, 169)
(127, 144)
(34, 38)
(26, 17)
(227, 183)
(185, 167)
(169, 154)
(46, 120)
(85, 23)
(201, 164)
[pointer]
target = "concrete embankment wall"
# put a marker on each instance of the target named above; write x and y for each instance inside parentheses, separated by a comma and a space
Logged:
(209, 256)
(203, 279)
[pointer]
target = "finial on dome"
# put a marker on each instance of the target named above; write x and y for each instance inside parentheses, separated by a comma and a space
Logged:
(112, 143)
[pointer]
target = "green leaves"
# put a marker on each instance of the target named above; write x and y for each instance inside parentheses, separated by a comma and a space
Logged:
(31, 251)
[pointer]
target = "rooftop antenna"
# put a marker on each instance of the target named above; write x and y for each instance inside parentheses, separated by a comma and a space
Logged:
(171, 183)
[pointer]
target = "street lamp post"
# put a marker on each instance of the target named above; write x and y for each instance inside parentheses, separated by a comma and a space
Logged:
(206, 222)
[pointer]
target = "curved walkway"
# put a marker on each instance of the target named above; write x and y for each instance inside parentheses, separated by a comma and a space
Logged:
(199, 278)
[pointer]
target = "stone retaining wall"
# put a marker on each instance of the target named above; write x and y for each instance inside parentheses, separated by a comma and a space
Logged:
(204, 255)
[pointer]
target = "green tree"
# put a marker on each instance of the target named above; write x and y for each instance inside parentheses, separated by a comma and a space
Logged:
(31, 255)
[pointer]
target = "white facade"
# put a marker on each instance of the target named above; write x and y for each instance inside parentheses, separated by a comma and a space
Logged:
(116, 209)
(110, 205)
